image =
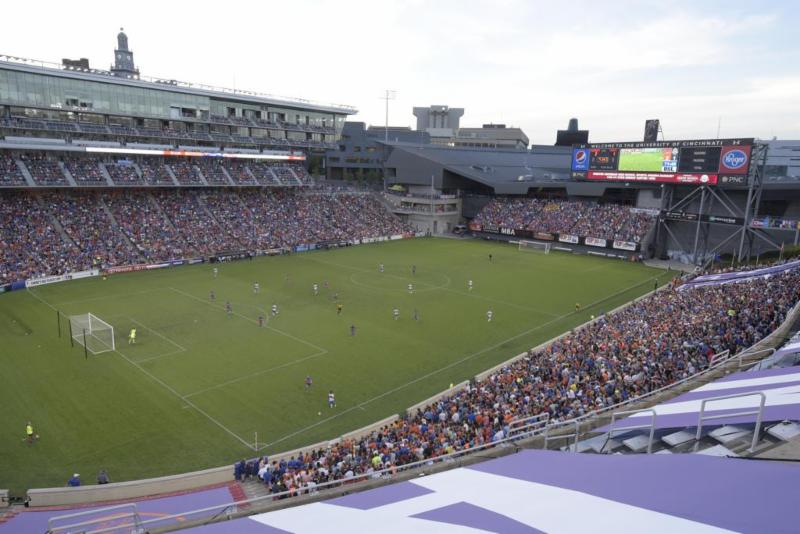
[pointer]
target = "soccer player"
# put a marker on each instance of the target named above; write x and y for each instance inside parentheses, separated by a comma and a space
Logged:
(325, 284)
(261, 321)
(212, 296)
(30, 436)
(489, 315)
(228, 307)
(331, 400)
(469, 285)
(380, 267)
(339, 309)
(132, 337)
(256, 288)
(577, 306)
(316, 289)
(413, 269)
(275, 310)
(411, 289)
(396, 314)
(353, 330)
(216, 272)
(308, 382)
(490, 258)
(416, 315)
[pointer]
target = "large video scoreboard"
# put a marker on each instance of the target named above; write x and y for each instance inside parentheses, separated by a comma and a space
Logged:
(705, 161)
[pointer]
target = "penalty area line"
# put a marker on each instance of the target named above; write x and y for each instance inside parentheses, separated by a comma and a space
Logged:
(168, 388)
(281, 332)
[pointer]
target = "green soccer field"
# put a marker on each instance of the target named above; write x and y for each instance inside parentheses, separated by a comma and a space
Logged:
(198, 384)
(645, 160)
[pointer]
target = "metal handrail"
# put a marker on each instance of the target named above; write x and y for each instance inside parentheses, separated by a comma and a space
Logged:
(132, 511)
(651, 426)
(759, 413)
(576, 434)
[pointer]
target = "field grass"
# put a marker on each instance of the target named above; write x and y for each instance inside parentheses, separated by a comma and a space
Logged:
(198, 384)
(643, 160)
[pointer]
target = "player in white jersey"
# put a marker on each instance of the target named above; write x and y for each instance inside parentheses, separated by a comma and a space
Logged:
(331, 399)
(396, 314)
(275, 310)
(411, 288)
(316, 289)
(469, 285)
(489, 315)
(380, 267)
(216, 272)
(256, 288)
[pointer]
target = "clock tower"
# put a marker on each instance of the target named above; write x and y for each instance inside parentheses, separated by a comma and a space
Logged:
(123, 58)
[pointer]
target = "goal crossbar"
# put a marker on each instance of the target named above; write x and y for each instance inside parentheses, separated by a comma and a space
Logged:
(91, 332)
(534, 246)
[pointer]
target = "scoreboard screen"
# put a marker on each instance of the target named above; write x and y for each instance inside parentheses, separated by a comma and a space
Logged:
(681, 162)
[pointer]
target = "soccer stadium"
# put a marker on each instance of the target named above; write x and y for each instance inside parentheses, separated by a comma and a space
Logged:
(227, 311)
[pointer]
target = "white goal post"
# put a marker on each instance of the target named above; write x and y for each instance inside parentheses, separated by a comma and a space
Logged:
(534, 246)
(91, 332)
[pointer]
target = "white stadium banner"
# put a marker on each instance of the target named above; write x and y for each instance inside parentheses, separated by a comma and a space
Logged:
(595, 242)
(566, 238)
(33, 282)
(624, 245)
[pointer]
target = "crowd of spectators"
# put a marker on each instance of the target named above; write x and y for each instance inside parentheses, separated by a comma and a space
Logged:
(185, 172)
(30, 244)
(118, 227)
(85, 171)
(10, 174)
(581, 218)
(155, 172)
(86, 224)
(44, 171)
(123, 173)
(659, 340)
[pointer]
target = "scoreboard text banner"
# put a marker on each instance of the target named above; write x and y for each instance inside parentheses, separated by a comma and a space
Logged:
(655, 177)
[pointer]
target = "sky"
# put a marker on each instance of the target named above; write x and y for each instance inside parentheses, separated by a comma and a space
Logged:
(702, 67)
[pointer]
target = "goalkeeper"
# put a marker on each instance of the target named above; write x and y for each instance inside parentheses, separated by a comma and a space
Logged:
(132, 337)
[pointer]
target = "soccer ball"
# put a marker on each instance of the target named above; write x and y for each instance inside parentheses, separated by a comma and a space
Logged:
(591, 317)
(319, 413)
(104, 278)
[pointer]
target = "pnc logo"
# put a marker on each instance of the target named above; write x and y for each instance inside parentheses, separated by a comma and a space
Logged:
(735, 159)
(580, 157)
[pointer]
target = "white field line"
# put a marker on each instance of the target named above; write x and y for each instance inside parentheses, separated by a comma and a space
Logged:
(163, 355)
(320, 351)
(432, 287)
(281, 332)
(439, 370)
(259, 373)
(162, 336)
(166, 386)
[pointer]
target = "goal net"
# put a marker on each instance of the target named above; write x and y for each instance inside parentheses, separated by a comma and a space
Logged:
(92, 332)
(534, 246)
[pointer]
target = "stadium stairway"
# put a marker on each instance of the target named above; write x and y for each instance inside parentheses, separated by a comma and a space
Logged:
(25, 173)
(254, 488)
(105, 174)
(55, 222)
(115, 225)
(67, 174)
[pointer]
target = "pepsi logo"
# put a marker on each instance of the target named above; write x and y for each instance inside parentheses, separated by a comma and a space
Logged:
(735, 159)
(580, 157)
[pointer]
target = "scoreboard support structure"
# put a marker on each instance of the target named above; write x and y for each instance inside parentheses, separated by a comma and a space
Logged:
(736, 223)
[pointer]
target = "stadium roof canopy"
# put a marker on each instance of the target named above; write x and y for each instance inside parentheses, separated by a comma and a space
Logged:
(504, 171)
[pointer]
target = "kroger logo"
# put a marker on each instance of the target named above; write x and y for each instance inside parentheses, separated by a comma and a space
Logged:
(735, 159)
(580, 157)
